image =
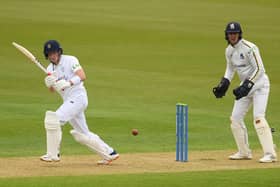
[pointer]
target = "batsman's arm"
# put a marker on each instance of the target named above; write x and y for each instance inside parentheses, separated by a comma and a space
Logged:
(79, 76)
(61, 85)
(50, 80)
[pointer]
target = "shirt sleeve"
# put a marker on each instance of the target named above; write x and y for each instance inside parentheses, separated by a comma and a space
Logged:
(256, 62)
(50, 68)
(229, 73)
(75, 65)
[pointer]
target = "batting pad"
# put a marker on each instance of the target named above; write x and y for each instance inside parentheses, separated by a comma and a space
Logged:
(54, 134)
(265, 135)
(91, 143)
(240, 135)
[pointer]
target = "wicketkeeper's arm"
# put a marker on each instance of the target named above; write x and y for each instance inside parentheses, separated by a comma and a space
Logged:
(256, 61)
(229, 73)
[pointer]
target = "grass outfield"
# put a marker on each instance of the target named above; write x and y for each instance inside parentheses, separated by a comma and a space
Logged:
(269, 178)
(141, 58)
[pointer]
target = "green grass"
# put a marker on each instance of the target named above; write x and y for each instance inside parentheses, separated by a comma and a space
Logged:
(141, 58)
(269, 178)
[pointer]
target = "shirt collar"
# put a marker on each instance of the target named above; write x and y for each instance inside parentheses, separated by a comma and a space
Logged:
(238, 44)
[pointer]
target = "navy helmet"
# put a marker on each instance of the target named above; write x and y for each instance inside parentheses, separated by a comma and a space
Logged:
(52, 46)
(233, 27)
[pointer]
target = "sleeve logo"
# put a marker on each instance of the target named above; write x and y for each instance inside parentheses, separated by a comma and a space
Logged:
(76, 66)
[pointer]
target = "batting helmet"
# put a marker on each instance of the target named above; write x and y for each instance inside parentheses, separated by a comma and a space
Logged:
(52, 46)
(233, 27)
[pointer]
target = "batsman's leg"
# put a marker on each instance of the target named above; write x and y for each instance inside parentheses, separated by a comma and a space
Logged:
(82, 135)
(53, 122)
(54, 135)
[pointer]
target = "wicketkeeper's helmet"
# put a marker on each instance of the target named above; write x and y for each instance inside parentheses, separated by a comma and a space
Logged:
(52, 46)
(233, 27)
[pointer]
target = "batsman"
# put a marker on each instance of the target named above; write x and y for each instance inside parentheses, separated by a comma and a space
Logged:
(66, 76)
(244, 58)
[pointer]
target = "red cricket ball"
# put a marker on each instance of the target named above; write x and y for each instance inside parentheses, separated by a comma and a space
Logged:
(134, 132)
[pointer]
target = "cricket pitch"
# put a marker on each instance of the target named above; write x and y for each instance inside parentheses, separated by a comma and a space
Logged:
(128, 164)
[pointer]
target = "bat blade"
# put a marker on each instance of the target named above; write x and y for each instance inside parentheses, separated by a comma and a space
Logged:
(29, 55)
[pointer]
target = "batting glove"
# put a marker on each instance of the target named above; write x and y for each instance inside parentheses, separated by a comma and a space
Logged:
(61, 85)
(50, 80)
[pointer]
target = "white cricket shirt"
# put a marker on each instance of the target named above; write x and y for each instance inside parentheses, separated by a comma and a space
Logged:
(66, 69)
(244, 58)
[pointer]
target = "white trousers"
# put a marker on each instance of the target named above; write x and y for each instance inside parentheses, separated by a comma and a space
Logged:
(258, 98)
(72, 111)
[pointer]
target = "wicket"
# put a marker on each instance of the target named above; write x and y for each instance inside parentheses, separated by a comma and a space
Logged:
(181, 132)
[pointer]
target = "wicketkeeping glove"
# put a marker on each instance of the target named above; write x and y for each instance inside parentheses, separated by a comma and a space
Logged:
(243, 90)
(220, 90)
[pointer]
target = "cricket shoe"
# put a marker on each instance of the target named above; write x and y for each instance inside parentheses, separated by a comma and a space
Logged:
(48, 158)
(268, 158)
(113, 156)
(239, 156)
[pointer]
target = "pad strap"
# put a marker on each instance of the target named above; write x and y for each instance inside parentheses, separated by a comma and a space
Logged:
(51, 121)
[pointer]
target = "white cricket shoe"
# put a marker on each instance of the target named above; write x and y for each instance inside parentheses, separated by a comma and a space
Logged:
(113, 156)
(48, 158)
(268, 158)
(239, 156)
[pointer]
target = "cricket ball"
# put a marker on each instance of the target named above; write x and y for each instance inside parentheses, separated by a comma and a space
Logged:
(134, 132)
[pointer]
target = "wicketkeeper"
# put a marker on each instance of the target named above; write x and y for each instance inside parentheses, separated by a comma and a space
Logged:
(244, 58)
(66, 76)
